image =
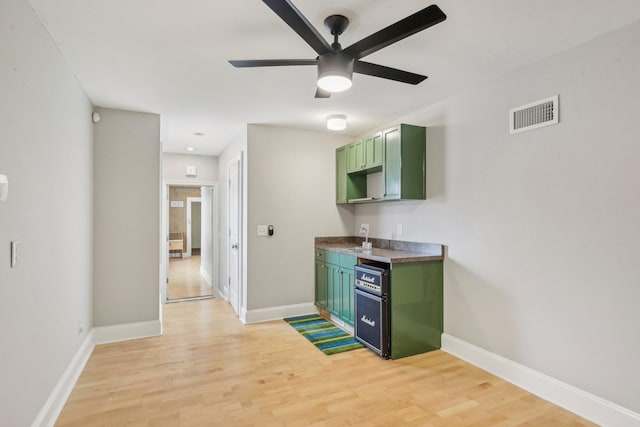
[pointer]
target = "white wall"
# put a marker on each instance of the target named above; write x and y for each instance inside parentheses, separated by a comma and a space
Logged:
(292, 187)
(127, 217)
(541, 227)
(174, 167)
(46, 151)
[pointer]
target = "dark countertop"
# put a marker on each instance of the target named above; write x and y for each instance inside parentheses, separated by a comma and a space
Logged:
(389, 251)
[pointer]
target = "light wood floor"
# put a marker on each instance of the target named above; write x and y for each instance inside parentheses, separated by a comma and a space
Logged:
(185, 280)
(210, 370)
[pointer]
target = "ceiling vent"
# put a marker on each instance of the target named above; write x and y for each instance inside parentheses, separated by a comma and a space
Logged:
(535, 115)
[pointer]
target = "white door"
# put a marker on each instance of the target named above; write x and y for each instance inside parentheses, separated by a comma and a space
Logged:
(193, 211)
(235, 250)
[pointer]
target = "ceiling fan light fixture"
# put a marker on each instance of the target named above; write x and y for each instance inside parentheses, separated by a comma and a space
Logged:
(337, 122)
(335, 71)
(334, 83)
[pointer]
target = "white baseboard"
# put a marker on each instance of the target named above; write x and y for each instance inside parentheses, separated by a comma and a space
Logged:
(126, 332)
(275, 313)
(206, 277)
(60, 393)
(98, 335)
(580, 402)
(218, 294)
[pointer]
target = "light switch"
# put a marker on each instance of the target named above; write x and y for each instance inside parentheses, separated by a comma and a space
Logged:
(15, 250)
(192, 171)
(4, 187)
(263, 230)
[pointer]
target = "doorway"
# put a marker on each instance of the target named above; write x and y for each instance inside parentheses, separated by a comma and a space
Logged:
(191, 224)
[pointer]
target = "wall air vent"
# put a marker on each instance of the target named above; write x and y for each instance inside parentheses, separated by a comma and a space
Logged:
(535, 115)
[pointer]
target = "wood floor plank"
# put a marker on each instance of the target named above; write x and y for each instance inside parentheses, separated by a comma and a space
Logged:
(185, 280)
(208, 369)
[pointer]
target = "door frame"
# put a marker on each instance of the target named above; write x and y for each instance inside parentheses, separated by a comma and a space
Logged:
(164, 235)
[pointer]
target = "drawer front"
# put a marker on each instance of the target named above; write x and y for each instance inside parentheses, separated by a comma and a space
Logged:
(175, 245)
(332, 257)
(320, 254)
(348, 261)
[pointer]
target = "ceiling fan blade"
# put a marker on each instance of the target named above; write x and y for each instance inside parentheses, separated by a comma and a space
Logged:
(321, 93)
(387, 73)
(396, 32)
(298, 23)
(271, 62)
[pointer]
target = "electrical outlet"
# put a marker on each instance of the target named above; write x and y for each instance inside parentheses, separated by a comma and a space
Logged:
(399, 230)
(263, 230)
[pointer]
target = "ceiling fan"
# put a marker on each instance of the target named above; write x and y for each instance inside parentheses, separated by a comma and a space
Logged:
(336, 65)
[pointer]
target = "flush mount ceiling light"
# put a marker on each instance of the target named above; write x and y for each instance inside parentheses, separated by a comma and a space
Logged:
(337, 122)
(190, 148)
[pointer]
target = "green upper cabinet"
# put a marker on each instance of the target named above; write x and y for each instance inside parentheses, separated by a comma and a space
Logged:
(365, 154)
(404, 162)
(398, 153)
(355, 156)
(373, 151)
(348, 186)
(341, 175)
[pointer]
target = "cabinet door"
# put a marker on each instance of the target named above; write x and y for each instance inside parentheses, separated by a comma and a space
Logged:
(341, 175)
(347, 309)
(333, 288)
(337, 295)
(321, 284)
(373, 149)
(355, 156)
(392, 163)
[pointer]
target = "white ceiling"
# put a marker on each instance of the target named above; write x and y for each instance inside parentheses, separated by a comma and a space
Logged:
(170, 57)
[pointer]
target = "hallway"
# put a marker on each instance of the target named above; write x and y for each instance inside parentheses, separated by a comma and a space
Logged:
(185, 280)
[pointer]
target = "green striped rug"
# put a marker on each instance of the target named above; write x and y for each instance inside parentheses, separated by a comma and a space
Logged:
(323, 334)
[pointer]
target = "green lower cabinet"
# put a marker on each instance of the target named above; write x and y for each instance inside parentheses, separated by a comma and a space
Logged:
(334, 284)
(335, 304)
(416, 308)
(347, 311)
(321, 285)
